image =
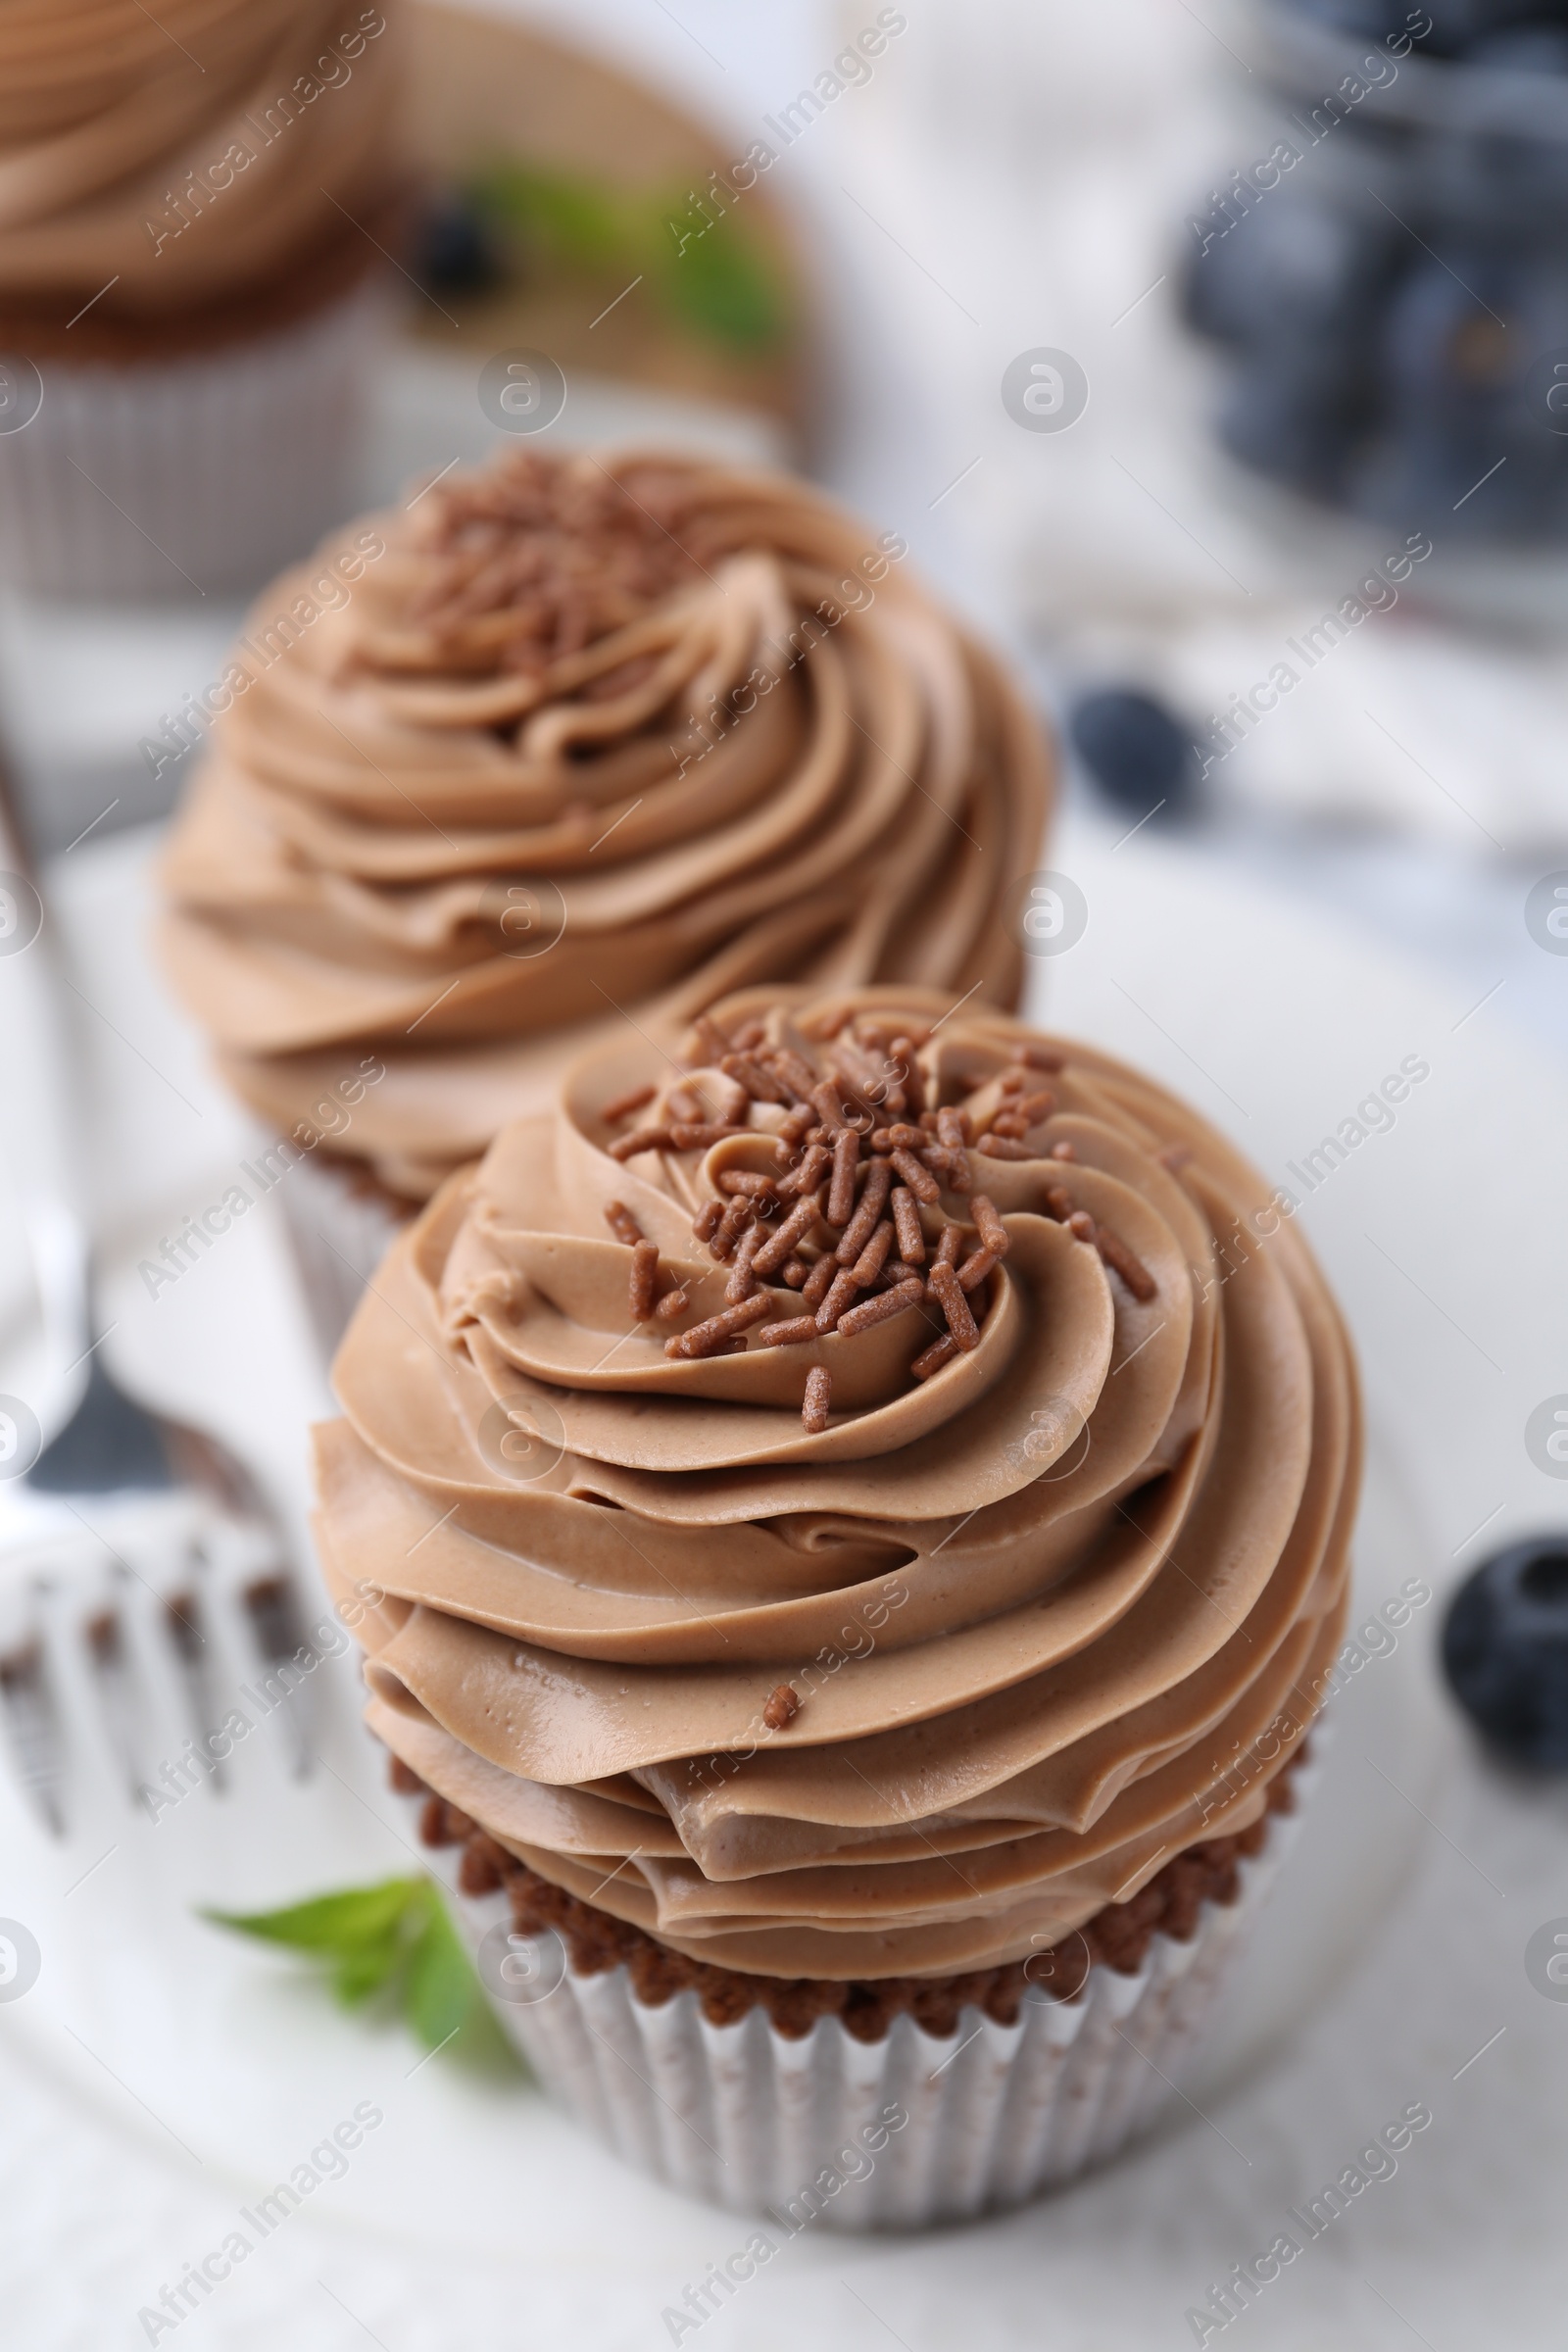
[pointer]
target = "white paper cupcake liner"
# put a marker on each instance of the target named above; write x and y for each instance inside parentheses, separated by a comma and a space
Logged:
(207, 472)
(892, 2135)
(339, 1236)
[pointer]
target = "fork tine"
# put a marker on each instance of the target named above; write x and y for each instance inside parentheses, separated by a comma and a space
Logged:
(118, 1690)
(127, 1650)
(185, 1623)
(272, 1604)
(33, 1721)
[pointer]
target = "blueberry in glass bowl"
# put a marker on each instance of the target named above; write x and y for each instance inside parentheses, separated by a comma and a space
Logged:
(1297, 290)
(1506, 1652)
(1388, 281)
(1457, 27)
(1451, 366)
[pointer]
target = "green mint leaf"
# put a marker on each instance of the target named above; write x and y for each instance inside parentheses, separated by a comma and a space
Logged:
(366, 1969)
(719, 285)
(568, 220)
(398, 1939)
(709, 276)
(331, 1922)
(443, 1990)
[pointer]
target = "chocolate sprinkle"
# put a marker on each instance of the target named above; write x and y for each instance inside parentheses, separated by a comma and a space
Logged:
(622, 1224)
(931, 1360)
(947, 1292)
(781, 1707)
(643, 1279)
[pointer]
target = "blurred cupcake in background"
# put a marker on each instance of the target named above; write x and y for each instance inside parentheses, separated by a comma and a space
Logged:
(193, 212)
(580, 747)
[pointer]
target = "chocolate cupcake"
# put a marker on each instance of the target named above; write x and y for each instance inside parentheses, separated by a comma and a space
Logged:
(588, 743)
(193, 210)
(850, 1533)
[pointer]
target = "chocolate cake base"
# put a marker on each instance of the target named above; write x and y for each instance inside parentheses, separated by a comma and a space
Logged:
(119, 335)
(1119, 1935)
(341, 1221)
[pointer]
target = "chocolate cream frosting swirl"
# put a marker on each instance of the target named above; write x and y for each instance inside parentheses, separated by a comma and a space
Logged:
(920, 1688)
(591, 738)
(108, 111)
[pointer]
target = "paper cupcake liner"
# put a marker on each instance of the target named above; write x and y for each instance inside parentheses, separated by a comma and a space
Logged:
(892, 2135)
(339, 1233)
(208, 472)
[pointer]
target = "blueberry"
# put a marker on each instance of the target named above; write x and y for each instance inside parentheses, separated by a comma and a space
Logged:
(1459, 445)
(1137, 754)
(1366, 19)
(1295, 413)
(1376, 19)
(1506, 1652)
(1296, 287)
(1445, 340)
(1293, 263)
(1456, 24)
(1492, 181)
(454, 252)
(1522, 49)
(1421, 480)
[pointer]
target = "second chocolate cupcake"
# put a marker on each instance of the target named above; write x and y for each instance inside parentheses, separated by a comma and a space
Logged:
(580, 741)
(195, 210)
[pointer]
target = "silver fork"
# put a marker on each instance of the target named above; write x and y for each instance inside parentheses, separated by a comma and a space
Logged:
(115, 1449)
(112, 1447)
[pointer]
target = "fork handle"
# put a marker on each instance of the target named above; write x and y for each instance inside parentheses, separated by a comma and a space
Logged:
(40, 1145)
